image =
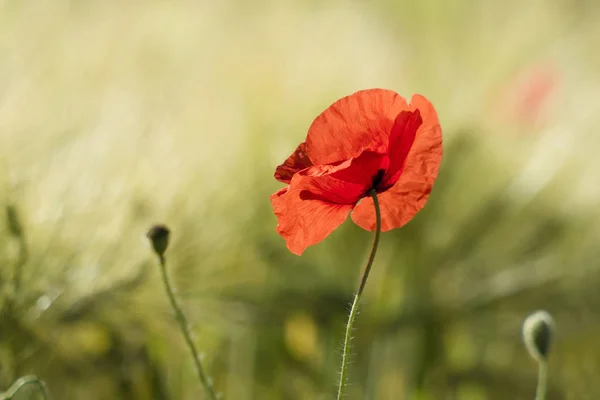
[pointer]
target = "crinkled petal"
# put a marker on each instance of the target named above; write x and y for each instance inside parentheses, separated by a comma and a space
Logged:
(343, 183)
(361, 121)
(402, 138)
(296, 162)
(319, 198)
(363, 170)
(304, 222)
(401, 202)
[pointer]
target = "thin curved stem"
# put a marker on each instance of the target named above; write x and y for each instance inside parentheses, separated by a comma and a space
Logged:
(22, 382)
(361, 288)
(185, 330)
(542, 384)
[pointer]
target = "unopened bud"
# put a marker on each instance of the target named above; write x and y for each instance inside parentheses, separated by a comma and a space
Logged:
(159, 237)
(538, 329)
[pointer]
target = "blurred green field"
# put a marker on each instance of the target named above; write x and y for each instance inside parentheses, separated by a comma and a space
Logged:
(115, 115)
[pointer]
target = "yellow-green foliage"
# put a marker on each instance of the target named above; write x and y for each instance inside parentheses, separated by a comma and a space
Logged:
(115, 115)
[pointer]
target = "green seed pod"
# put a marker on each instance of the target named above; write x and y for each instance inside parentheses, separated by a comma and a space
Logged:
(159, 237)
(538, 329)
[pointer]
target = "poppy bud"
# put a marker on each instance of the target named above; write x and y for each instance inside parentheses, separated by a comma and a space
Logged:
(537, 334)
(159, 237)
(13, 221)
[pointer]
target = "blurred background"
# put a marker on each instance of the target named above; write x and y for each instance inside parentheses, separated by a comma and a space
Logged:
(115, 115)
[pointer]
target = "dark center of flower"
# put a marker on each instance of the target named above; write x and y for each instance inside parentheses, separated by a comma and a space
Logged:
(377, 178)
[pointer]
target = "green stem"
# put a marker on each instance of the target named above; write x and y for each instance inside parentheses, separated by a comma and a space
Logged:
(185, 330)
(361, 288)
(540, 393)
(15, 229)
(23, 256)
(24, 381)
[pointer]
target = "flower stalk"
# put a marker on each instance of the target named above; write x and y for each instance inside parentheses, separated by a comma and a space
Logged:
(357, 297)
(159, 237)
(21, 383)
(542, 384)
(538, 330)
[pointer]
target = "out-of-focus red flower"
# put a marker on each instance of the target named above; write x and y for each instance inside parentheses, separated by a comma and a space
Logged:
(372, 139)
(528, 96)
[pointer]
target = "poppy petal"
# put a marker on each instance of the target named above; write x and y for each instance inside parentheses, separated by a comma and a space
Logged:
(361, 121)
(320, 198)
(343, 183)
(401, 202)
(401, 140)
(304, 222)
(296, 162)
(362, 170)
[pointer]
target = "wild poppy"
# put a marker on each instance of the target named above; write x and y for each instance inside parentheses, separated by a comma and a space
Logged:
(529, 96)
(372, 139)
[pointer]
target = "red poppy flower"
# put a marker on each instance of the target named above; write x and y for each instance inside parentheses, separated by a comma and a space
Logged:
(530, 94)
(372, 139)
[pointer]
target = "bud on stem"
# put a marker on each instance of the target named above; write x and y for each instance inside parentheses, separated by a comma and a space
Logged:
(537, 334)
(538, 329)
(159, 238)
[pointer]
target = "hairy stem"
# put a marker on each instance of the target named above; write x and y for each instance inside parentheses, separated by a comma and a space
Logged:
(184, 326)
(355, 304)
(542, 384)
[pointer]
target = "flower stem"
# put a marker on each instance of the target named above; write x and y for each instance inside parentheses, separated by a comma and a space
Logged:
(24, 381)
(184, 326)
(361, 288)
(540, 393)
